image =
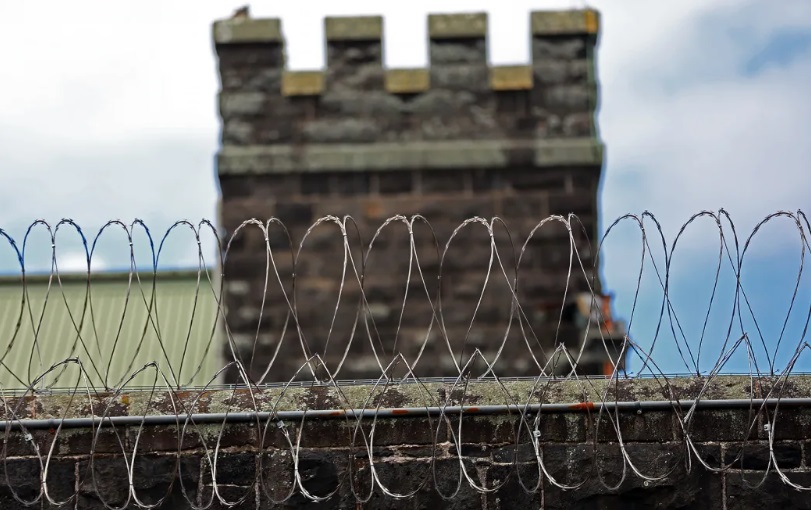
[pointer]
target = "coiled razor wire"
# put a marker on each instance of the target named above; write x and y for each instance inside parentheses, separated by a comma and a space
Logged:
(101, 388)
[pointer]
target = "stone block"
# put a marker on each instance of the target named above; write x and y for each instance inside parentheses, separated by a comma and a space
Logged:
(458, 52)
(567, 98)
(351, 184)
(341, 131)
(721, 425)
(353, 28)
(251, 57)
(553, 23)
(457, 26)
(582, 204)
(246, 30)
(789, 424)
(316, 183)
(19, 478)
(233, 469)
(104, 480)
(756, 455)
(361, 104)
(359, 80)
(407, 81)
(61, 479)
(511, 78)
(442, 181)
(344, 54)
(242, 103)
(751, 491)
(236, 497)
(464, 77)
(569, 48)
(395, 182)
(645, 427)
(302, 83)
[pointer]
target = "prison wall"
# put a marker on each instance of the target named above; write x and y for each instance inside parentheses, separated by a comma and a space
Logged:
(572, 453)
(458, 139)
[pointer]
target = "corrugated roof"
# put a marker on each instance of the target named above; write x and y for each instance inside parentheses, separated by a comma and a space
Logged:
(112, 326)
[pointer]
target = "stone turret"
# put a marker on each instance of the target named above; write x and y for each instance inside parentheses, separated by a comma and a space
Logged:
(458, 139)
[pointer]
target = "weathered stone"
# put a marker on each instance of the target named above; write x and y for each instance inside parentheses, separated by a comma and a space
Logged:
(251, 56)
(302, 83)
(395, 182)
(353, 53)
(445, 52)
(353, 28)
(578, 125)
(242, 103)
(756, 455)
(793, 424)
(237, 132)
(356, 79)
(295, 213)
(20, 479)
(246, 30)
(752, 491)
(368, 104)
(407, 81)
(351, 184)
(578, 98)
(441, 102)
(508, 78)
(457, 26)
(722, 425)
(571, 48)
(574, 21)
(473, 78)
(341, 131)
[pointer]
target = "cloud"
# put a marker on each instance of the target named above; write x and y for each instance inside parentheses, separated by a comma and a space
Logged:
(109, 111)
(77, 263)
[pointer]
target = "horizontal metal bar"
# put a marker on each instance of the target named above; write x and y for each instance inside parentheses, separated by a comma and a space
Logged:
(263, 416)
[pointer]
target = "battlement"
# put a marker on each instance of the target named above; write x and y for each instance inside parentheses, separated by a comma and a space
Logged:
(356, 99)
(456, 139)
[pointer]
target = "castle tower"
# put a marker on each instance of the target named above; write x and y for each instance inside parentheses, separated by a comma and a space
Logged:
(459, 139)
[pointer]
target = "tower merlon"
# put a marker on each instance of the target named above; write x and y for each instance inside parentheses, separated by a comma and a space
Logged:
(356, 99)
(565, 22)
(353, 28)
(246, 30)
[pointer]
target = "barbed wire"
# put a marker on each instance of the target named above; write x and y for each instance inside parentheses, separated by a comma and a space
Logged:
(287, 340)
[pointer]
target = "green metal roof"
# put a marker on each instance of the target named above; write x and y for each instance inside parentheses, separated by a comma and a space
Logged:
(113, 326)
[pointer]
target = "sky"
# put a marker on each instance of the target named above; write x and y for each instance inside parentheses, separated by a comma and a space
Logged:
(109, 112)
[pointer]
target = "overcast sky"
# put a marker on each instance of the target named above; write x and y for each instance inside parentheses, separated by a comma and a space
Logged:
(108, 111)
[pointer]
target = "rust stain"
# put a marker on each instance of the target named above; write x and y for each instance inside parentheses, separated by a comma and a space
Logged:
(336, 413)
(473, 409)
(592, 22)
(583, 406)
(399, 411)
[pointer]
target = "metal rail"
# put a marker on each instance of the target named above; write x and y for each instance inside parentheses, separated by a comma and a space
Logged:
(412, 412)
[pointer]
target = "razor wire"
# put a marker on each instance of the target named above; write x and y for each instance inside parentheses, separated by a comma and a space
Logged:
(83, 376)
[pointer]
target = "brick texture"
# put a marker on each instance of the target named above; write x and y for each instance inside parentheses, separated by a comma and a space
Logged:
(355, 110)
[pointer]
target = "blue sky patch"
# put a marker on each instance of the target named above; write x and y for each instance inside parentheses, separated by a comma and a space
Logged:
(781, 49)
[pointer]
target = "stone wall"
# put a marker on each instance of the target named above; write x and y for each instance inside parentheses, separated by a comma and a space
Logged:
(458, 139)
(708, 458)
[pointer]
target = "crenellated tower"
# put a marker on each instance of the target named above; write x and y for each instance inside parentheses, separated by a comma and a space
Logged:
(458, 139)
